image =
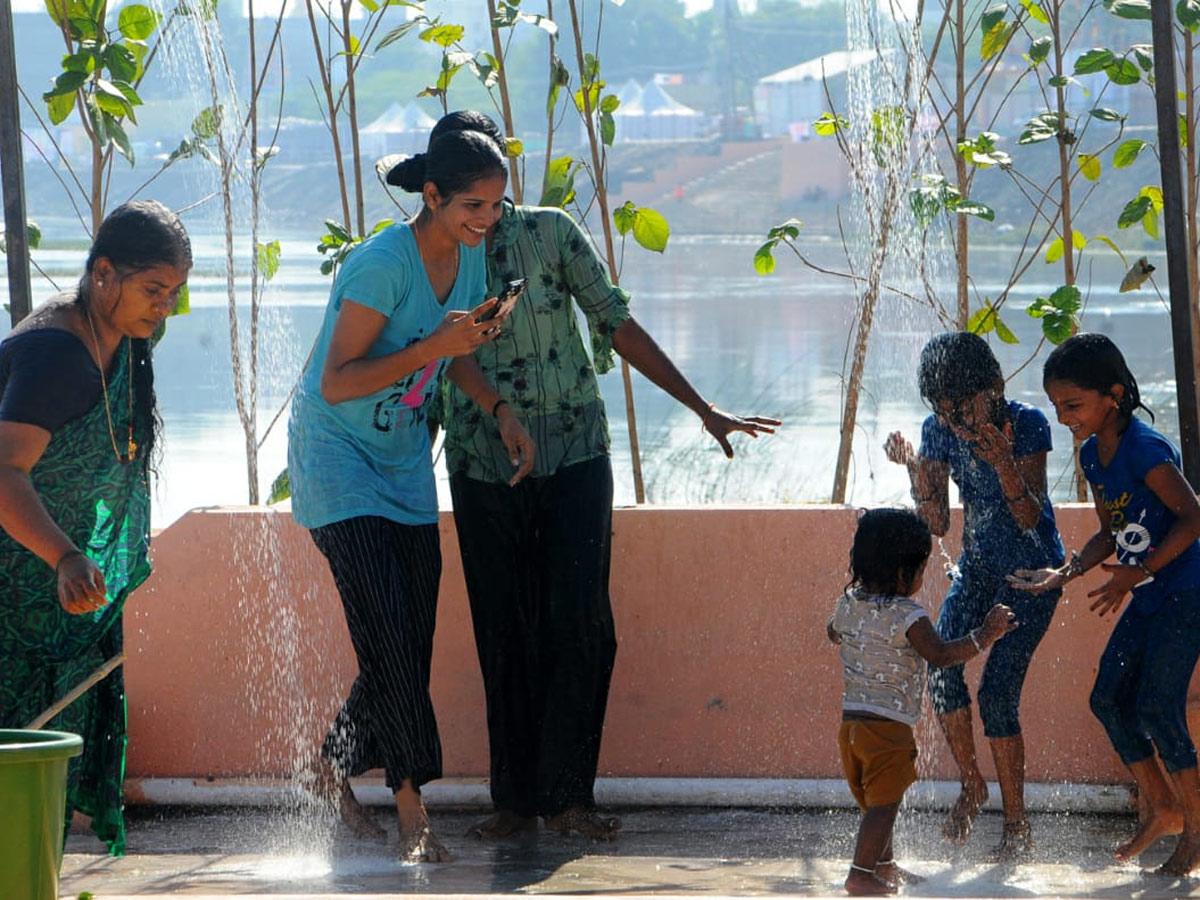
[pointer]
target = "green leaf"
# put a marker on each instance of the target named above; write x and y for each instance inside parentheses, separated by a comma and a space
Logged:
(608, 128)
(1089, 166)
(977, 209)
(558, 188)
(59, 107)
(1040, 128)
(623, 217)
(1127, 153)
(650, 229)
(397, 33)
(1188, 13)
(340, 234)
(443, 35)
(281, 488)
(513, 147)
(1055, 251)
(1123, 71)
(119, 138)
(183, 302)
(1133, 212)
(66, 83)
(268, 259)
(1129, 9)
(207, 123)
(121, 63)
(1057, 312)
(1144, 54)
(1104, 114)
(983, 320)
(1154, 195)
(996, 39)
(1078, 240)
(828, 124)
(137, 22)
(1035, 12)
(1039, 50)
(992, 16)
(790, 229)
(764, 259)
(609, 103)
(1115, 249)
(1003, 332)
(1095, 60)
(369, 5)
(33, 234)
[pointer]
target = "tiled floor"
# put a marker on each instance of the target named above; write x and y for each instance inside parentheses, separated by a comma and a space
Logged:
(714, 853)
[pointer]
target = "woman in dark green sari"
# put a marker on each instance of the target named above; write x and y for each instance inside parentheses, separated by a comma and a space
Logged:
(77, 433)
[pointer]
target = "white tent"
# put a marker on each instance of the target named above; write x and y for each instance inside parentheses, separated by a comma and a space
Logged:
(648, 113)
(400, 128)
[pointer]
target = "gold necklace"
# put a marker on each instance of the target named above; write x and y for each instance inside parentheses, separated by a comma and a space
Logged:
(112, 433)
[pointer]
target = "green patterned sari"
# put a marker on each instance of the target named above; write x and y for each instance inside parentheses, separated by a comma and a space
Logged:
(104, 507)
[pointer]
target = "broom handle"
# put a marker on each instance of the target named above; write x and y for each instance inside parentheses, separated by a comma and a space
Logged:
(78, 691)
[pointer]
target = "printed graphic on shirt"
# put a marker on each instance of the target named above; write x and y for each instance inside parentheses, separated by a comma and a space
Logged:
(410, 394)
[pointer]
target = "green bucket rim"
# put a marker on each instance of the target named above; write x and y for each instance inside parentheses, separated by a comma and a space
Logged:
(25, 745)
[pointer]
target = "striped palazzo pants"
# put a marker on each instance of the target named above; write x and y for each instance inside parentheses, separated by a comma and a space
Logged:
(387, 575)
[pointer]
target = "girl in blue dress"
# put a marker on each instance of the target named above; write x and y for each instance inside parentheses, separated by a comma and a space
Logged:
(995, 451)
(1150, 519)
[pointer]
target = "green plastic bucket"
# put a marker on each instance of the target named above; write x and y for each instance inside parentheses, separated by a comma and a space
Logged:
(33, 787)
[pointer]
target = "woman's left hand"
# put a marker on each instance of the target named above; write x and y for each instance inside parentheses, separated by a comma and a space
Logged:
(521, 447)
(719, 424)
(1112, 593)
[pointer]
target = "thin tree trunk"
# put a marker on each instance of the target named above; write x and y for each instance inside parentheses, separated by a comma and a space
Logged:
(360, 216)
(332, 106)
(514, 173)
(962, 244)
(639, 489)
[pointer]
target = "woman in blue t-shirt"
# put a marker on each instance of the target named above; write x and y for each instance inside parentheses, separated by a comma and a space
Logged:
(402, 310)
(1150, 518)
(995, 451)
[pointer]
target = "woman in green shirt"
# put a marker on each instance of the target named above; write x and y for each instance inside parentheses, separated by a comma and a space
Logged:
(536, 556)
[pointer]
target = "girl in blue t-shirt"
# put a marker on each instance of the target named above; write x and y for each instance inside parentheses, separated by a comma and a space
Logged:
(1150, 518)
(995, 451)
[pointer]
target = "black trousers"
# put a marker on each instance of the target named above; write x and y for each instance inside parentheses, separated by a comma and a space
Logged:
(387, 575)
(536, 560)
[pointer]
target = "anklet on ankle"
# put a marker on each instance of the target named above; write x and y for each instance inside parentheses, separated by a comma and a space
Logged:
(861, 869)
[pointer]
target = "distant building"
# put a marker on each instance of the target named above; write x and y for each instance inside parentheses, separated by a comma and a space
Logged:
(787, 102)
(402, 128)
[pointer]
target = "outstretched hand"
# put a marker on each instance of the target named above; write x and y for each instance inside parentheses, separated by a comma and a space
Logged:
(1111, 594)
(719, 424)
(899, 449)
(1036, 581)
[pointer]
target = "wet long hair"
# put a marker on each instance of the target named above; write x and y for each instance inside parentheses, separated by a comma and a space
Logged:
(1093, 362)
(134, 237)
(454, 161)
(890, 546)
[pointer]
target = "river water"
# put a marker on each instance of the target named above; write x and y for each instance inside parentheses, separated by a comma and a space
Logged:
(770, 345)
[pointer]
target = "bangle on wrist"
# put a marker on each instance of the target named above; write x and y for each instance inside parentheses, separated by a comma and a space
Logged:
(975, 640)
(496, 406)
(704, 417)
(62, 559)
(1074, 568)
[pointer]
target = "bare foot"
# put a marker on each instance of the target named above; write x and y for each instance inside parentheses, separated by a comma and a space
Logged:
(1186, 857)
(333, 791)
(1015, 842)
(501, 824)
(962, 815)
(891, 874)
(866, 884)
(356, 818)
(585, 823)
(422, 846)
(1158, 823)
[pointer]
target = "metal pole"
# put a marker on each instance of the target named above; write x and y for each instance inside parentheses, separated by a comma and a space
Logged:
(1178, 258)
(12, 172)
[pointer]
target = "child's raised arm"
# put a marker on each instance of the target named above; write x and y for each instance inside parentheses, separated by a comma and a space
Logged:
(925, 640)
(929, 482)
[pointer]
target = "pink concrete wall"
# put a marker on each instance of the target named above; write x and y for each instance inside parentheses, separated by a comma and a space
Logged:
(238, 653)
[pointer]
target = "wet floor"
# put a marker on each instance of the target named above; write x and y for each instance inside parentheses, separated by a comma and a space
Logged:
(726, 852)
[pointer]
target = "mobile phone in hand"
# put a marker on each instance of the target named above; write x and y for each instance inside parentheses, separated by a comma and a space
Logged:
(506, 299)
